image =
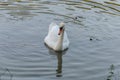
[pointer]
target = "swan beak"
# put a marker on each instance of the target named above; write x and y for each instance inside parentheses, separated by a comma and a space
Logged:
(60, 30)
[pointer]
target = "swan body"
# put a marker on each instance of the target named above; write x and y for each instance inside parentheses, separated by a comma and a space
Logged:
(57, 37)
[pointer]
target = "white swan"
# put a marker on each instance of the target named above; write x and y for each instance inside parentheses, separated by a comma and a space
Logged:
(57, 38)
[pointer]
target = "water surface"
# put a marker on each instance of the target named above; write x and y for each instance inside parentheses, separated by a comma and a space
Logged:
(93, 28)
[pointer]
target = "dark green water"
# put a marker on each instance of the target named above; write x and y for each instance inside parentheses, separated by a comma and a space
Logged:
(93, 28)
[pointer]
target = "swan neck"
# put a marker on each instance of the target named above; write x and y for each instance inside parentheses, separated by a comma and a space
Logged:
(59, 44)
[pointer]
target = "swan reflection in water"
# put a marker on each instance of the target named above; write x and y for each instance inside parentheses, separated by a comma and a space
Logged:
(59, 55)
(59, 63)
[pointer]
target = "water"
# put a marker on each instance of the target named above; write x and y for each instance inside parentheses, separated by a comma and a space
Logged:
(92, 27)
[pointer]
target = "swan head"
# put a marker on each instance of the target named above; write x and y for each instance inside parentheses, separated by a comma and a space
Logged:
(61, 28)
(62, 24)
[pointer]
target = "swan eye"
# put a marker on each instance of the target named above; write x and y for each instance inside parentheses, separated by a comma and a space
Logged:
(61, 28)
(60, 31)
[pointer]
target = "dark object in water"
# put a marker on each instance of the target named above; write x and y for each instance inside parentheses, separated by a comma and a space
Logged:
(76, 17)
(91, 39)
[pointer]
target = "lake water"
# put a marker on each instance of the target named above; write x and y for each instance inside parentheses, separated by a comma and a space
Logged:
(93, 28)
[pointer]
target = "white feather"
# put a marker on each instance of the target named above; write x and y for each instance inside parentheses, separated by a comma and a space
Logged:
(55, 41)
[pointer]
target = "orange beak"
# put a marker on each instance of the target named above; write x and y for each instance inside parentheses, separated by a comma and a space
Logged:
(60, 31)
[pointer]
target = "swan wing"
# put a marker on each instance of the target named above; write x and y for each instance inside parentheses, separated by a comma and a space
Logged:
(52, 25)
(52, 36)
(65, 41)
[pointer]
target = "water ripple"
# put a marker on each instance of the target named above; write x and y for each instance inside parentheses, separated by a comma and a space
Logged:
(92, 27)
